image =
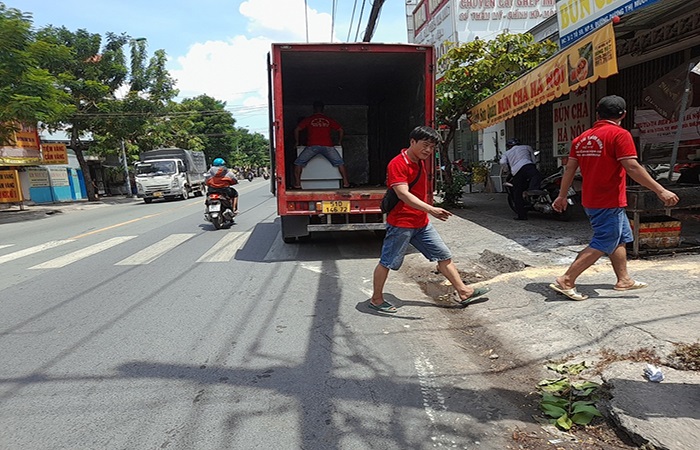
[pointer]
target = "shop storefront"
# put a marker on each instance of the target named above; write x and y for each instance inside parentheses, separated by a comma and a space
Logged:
(647, 45)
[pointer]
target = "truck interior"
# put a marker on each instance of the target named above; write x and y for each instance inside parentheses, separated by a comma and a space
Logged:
(377, 97)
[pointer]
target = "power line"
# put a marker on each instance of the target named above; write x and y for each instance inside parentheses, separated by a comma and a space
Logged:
(352, 18)
(359, 20)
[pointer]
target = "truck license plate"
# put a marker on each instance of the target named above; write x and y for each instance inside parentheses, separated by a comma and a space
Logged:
(157, 194)
(336, 207)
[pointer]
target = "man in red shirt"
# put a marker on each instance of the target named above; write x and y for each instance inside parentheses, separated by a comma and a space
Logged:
(318, 128)
(606, 154)
(408, 222)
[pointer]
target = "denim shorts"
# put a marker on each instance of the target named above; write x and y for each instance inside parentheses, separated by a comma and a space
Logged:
(426, 240)
(611, 227)
(330, 153)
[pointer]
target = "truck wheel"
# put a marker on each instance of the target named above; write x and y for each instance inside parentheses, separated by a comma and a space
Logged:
(289, 240)
(185, 193)
(147, 200)
(198, 193)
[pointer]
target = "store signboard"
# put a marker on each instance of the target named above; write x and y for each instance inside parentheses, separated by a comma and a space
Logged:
(59, 176)
(578, 18)
(54, 154)
(485, 19)
(655, 128)
(38, 177)
(9, 187)
(570, 118)
(592, 58)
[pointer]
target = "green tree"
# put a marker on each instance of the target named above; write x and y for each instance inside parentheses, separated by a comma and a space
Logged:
(28, 93)
(90, 71)
(472, 71)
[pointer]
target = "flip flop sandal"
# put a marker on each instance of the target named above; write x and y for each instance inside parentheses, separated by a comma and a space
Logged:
(636, 285)
(478, 292)
(572, 293)
(385, 307)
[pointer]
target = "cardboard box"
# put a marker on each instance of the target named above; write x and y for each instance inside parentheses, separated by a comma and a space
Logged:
(658, 231)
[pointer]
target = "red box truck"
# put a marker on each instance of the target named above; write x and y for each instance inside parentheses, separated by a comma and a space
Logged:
(378, 93)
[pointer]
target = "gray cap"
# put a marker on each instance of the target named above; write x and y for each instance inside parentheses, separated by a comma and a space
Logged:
(611, 107)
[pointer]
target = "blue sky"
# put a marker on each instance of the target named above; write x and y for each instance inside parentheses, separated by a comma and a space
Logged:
(219, 47)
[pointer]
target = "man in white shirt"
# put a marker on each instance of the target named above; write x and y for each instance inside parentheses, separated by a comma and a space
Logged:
(521, 161)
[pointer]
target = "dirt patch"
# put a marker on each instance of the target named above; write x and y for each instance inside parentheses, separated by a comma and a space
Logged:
(515, 375)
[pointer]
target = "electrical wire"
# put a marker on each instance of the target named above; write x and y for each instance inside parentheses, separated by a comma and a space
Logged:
(306, 19)
(352, 19)
(359, 20)
(335, 2)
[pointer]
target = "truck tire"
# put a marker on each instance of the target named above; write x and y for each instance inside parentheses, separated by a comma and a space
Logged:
(185, 194)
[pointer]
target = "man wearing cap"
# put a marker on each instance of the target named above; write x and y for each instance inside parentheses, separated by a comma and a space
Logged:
(605, 153)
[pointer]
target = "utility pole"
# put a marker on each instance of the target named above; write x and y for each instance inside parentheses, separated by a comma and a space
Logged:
(127, 183)
(372, 22)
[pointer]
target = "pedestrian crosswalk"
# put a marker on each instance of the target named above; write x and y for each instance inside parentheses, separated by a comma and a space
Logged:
(223, 250)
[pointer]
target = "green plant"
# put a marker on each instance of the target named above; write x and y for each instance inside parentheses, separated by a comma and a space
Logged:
(479, 171)
(568, 400)
(452, 193)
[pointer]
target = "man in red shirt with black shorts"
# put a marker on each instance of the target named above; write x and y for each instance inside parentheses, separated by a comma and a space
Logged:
(606, 154)
(408, 222)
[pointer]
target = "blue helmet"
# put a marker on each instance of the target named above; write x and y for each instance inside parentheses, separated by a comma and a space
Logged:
(219, 162)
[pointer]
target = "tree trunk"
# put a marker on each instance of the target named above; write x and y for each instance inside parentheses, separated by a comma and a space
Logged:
(77, 147)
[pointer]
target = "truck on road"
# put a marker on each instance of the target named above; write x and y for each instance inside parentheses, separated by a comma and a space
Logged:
(170, 173)
(378, 93)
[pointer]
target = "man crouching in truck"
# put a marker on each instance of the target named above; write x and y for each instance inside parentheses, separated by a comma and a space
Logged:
(318, 128)
(408, 222)
(220, 179)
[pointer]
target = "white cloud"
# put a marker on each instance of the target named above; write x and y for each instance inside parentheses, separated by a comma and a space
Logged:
(235, 71)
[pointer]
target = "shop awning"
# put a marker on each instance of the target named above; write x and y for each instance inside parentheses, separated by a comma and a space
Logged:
(584, 62)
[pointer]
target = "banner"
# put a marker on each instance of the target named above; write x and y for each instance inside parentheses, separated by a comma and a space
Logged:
(666, 94)
(22, 148)
(54, 154)
(570, 118)
(585, 62)
(9, 187)
(653, 128)
(577, 18)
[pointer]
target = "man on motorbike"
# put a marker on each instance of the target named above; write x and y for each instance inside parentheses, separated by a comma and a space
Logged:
(521, 161)
(220, 179)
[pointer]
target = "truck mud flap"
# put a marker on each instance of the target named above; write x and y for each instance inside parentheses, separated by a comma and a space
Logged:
(294, 226)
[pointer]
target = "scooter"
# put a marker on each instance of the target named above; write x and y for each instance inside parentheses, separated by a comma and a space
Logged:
(250, 176)
(218, 209)
(541, 200)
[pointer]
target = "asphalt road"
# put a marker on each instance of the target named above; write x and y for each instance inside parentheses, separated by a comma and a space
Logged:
(140, 326)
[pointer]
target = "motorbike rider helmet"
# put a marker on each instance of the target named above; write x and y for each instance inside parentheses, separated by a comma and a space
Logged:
(511, 142)
(219, 162)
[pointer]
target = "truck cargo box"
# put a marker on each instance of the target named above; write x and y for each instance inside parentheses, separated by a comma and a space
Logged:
(378, 93)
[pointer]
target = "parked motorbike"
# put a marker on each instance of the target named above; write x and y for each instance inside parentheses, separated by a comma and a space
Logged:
(541, 200)
(266, 176)
(218, 209)
(249, 176)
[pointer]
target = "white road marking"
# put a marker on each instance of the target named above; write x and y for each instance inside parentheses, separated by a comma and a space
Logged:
(151, 253)
(6, 245)
(83, 253)
(32, 250)
(226, 248)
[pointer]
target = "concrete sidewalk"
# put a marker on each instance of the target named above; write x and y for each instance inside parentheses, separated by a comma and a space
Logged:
(538, 325)
(33, 211)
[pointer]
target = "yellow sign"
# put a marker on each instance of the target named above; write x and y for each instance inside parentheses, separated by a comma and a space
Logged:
(336, 207)
(9, 187)
(54, 154)
(582, 63)
(26, 137)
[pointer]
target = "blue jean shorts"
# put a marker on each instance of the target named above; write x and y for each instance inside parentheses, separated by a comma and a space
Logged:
(426, 240)
(611, 227)
(330, 153)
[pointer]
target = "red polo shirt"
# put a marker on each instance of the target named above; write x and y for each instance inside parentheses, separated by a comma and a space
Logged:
(402, 170)
(599, 151)
(318, 129)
